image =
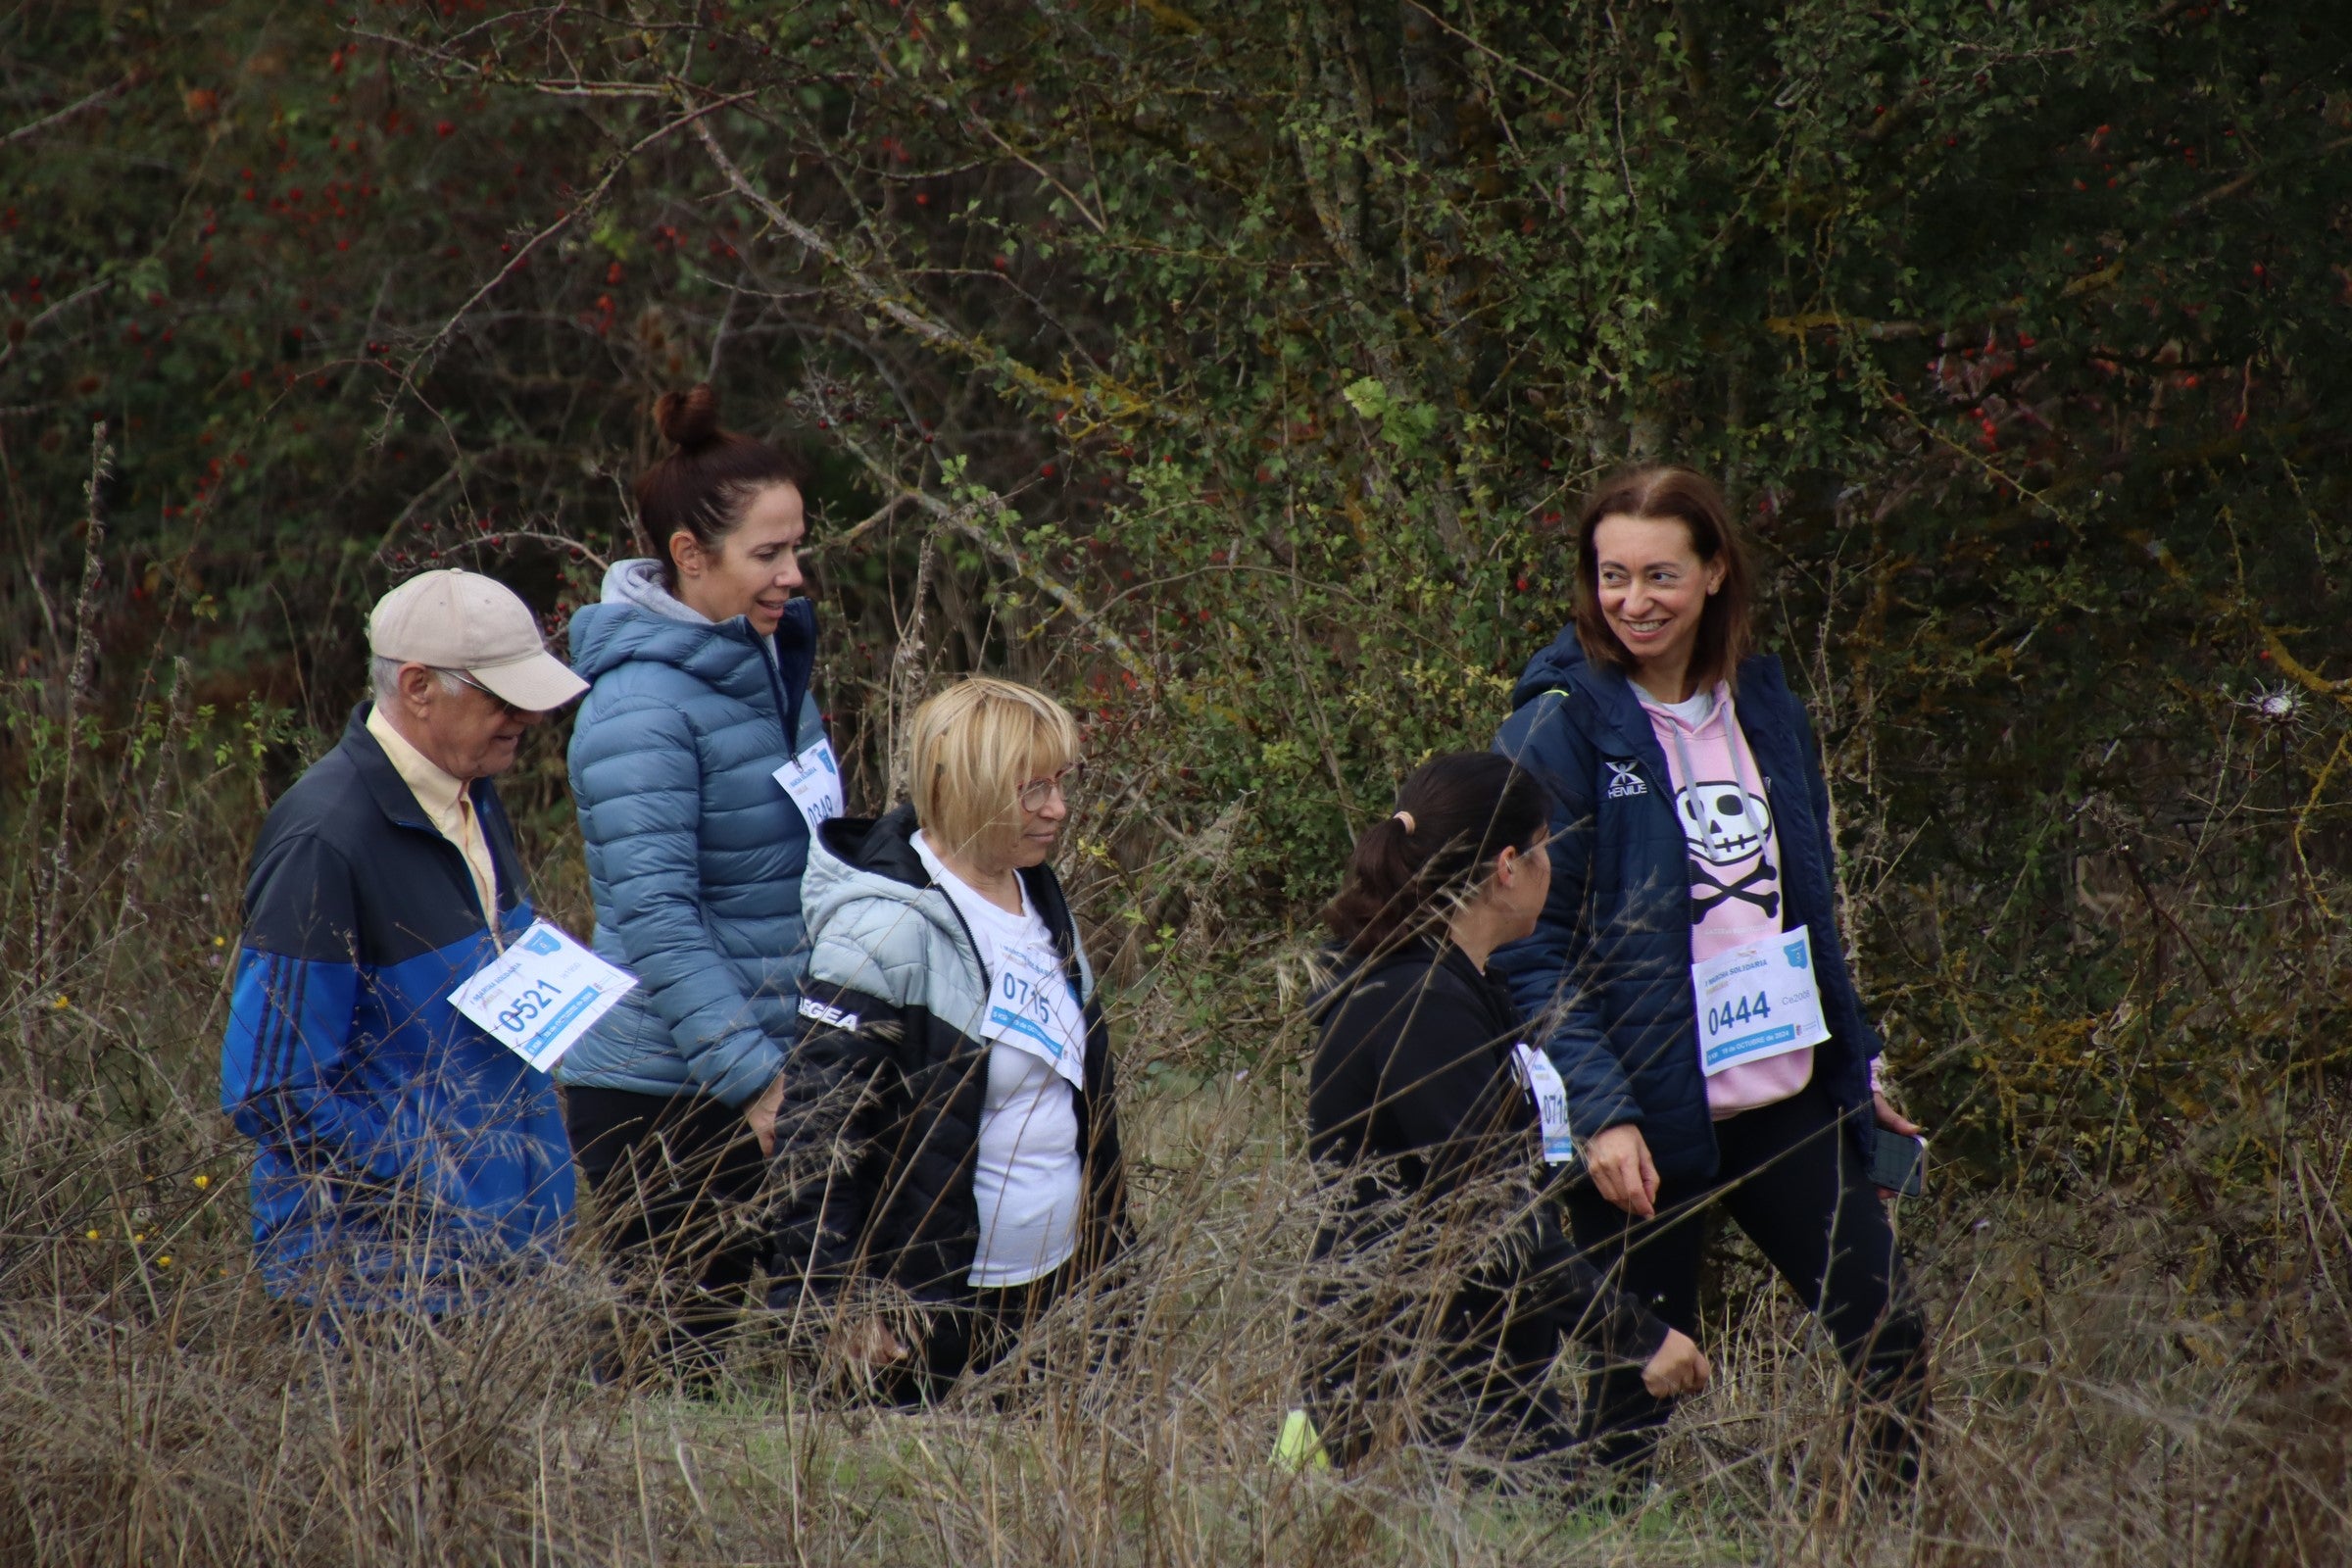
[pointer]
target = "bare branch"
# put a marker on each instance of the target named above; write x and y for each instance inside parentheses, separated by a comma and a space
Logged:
(419, 361)
(102, 95)
(8, 350)
(966, 520)
(875, 295)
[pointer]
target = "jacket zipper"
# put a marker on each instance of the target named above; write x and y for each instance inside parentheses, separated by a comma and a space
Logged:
(498, 940)
(988, 984)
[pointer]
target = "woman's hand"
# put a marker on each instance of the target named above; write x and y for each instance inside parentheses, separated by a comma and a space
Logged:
(762, 1115)
(1679, 1367)
(1619, 1160)
(867, 1344)
(1893, 1121)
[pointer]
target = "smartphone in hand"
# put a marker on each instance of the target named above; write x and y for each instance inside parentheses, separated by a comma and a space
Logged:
(1898, 1163)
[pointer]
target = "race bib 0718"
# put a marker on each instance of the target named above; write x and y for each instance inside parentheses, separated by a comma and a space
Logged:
(1550, 1094)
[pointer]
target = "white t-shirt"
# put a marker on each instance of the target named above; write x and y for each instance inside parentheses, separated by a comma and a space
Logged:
(1027, 1177)
(1694, 711)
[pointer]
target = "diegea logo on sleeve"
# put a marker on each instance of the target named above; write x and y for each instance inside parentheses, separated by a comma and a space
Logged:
(827, 1014)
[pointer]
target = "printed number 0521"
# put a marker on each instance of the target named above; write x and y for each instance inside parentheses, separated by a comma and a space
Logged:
(528, 1006)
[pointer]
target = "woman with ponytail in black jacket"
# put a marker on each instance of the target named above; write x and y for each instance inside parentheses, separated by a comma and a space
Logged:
(1447, 1284)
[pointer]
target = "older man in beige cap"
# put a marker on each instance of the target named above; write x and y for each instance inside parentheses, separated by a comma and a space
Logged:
(401, 1150)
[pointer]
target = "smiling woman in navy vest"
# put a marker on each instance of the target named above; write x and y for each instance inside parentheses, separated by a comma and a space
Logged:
(699, 665)
(1693, 822)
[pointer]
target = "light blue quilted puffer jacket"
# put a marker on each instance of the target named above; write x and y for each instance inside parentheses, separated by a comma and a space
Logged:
(695, 850)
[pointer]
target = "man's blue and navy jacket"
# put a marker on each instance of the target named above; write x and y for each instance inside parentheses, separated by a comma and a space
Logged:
(1607, 973)
(399, 1145)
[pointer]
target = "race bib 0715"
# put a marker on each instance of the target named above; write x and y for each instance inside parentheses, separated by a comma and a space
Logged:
(1032, 1008)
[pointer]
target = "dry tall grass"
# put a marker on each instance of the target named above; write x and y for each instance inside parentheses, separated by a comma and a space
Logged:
(2093, 1403)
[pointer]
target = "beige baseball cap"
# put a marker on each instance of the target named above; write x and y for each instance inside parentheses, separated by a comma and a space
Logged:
(458, 619)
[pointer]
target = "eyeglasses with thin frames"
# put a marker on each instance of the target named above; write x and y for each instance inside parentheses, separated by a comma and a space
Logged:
(1038, 791)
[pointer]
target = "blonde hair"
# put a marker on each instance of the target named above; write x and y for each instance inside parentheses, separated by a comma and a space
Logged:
(972, 748)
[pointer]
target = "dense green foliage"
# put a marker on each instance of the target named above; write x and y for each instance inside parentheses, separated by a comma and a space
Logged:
(1234, 369)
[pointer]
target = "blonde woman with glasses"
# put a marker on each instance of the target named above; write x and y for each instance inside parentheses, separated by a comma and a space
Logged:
(953, 1141)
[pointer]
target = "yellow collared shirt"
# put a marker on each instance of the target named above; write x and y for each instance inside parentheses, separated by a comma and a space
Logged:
(447, 805)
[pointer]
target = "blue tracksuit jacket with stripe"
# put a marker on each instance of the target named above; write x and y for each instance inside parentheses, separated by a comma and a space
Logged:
(399, 1147)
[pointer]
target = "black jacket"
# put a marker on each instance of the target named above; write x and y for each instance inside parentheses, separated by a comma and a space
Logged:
(1416, 1101)
(883, 1095)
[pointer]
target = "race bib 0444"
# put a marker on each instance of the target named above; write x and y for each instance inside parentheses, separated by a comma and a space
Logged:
(1757, 1000)
(542, 993)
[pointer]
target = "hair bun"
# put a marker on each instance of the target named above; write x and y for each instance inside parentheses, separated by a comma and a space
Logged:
(688, 419)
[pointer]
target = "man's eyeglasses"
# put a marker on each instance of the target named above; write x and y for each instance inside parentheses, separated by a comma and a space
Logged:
(1066, 784)
(464, 679)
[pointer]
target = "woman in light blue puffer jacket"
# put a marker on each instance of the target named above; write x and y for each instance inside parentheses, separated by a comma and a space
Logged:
(698, 764)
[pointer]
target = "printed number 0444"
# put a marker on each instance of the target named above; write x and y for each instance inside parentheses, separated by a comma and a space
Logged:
(1740, 1010)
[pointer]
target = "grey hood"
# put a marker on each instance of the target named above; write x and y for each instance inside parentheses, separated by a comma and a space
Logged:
(872, 929)
(638, 582)
(877, 924)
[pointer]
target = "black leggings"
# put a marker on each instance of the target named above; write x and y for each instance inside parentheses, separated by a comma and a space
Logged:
(967, 1336)
(1483, 1382)
(677, 1180)
(1792, 1178)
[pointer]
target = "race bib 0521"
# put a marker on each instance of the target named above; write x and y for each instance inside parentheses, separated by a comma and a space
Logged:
(542, 993)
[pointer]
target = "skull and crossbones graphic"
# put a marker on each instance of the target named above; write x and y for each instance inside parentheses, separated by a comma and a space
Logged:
(1704, 899)
(1723, 825)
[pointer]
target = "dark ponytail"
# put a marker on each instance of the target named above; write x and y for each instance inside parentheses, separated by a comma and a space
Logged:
(709, 473)
(1464, 809)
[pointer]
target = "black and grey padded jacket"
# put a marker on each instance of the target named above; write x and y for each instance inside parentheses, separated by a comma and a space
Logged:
(883, 1095)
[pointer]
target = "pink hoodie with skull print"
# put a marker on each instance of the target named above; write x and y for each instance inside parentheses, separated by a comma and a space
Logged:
(1735, 865)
